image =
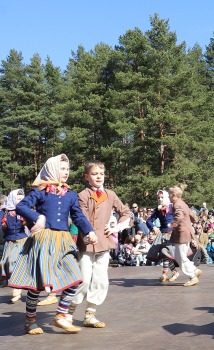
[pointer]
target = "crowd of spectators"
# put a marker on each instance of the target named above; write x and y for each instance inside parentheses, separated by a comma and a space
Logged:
(134, 242)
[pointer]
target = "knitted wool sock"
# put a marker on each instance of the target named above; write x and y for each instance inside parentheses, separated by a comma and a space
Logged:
(66, 299)
(172, 266)
(31, 303)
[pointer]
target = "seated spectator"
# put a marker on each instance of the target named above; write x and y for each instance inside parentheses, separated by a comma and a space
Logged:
(151, 237)
(210, 249)
(125, 256)
(141, 249)
(141, 221)
(210, 233)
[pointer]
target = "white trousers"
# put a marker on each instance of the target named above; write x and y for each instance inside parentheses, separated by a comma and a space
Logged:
(94, 269)
(187, 266)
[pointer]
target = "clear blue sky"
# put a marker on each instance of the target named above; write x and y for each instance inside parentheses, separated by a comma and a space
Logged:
(54, 28)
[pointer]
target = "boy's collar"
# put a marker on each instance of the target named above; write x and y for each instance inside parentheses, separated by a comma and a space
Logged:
(101, 188)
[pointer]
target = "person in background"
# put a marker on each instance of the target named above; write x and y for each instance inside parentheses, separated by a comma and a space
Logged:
(49, 258)
(183, 234)
(114, 252)
(141, 249)
(165, 215)
(2, 240)
(203, 240)
(135, 218)
(141, 221)
(15, 234)
(210, 246)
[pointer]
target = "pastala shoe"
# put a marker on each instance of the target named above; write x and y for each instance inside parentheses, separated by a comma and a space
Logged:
(15, 299)
(16, 295)
(192, 282)
(32, 328)
(51, 299)
(91, 321)
(174, 277)
(163, 278)
(63, 321)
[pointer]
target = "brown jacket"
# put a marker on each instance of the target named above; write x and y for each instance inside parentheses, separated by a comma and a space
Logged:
(98, 212)
(183, 216)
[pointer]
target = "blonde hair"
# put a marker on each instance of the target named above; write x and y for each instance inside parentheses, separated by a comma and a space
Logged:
(91, 163)
(178, 190)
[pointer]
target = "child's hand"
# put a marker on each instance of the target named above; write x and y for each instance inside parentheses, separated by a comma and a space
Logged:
(156, 230)
(109, 231)
(91, 238)
(39, 225)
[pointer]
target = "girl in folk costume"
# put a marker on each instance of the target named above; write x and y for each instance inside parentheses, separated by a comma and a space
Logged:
(15, 235)
(49, 258)
(165, 215)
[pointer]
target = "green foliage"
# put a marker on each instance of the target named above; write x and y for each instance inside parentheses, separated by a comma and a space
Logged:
(144, 108)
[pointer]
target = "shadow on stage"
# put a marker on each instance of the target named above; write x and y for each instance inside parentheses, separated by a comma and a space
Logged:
(129, 282)
(179, 328)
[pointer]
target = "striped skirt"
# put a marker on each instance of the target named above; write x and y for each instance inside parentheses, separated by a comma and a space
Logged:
(10, 256)
(47, 259)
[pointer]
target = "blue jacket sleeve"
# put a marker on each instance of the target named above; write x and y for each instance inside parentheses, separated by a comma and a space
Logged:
(24, 208)
(1, 217)
(78, 218)
(151, 219)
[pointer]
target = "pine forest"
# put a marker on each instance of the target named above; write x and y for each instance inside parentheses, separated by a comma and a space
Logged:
(145, 108)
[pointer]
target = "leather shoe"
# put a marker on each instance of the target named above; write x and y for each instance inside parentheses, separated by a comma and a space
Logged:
(163, 278)
(193, 281)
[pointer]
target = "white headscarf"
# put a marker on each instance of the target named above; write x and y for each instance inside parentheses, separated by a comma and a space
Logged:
(10, 202)
(50, 172)
(166, 199)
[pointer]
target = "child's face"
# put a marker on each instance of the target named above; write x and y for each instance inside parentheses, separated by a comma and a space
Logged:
(152, 236)
(95, 176)
(64, 172)
(160, 198)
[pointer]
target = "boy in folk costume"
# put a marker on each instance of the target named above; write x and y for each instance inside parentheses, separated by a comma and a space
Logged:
(165, 215)
(183, 234)
(97, 203)
(49, 258)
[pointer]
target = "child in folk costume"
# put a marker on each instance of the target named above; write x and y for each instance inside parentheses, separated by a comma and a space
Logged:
(2, 240)
(97, 203)
(183, 234)
(49, 258)
(15, 235)
(165, 215)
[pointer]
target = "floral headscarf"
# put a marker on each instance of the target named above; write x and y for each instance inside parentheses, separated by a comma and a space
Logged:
(10, 202)
(49, 175)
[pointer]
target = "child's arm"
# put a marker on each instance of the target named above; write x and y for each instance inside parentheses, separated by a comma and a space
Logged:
(24, 208)
(124, 213)
(1, 217)
(81, 221)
